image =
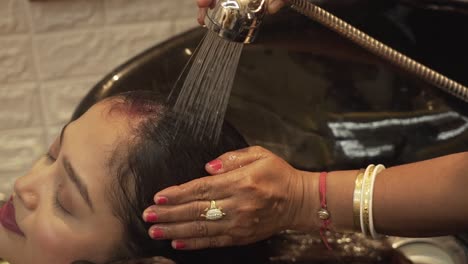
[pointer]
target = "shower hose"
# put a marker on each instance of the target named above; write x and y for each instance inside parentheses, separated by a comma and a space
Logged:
(376, 47)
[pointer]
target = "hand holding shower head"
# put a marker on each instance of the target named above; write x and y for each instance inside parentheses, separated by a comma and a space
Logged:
(240, 20)
(204, 97)
(237, 20)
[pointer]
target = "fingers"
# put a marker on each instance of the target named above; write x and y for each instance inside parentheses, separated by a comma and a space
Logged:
(201, 243)
(201, 16)
(214, 187)
(236, 159)
(204, 3)
(202, 189)
(275, 5)
(203, 9)
(181, 213)
(188, 230)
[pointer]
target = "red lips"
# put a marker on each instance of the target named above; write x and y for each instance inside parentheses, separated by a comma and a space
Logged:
(8, 219)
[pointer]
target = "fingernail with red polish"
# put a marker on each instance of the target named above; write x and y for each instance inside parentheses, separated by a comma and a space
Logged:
(151, 217)
(157, 233)
(178, 244)
(161, 200)
(216, 165)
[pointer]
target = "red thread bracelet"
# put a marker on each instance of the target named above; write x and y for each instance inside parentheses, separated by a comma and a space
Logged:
(323, 213)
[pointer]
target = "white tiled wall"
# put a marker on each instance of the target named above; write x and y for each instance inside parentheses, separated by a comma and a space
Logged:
(52, 52)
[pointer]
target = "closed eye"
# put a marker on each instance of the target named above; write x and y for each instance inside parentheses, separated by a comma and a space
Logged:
(56, 201)
(58, 205)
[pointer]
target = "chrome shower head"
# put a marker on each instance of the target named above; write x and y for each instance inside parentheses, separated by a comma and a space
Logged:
(237, 20)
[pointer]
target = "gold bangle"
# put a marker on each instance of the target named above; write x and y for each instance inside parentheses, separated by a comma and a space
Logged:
(366, 193)
(357, 199)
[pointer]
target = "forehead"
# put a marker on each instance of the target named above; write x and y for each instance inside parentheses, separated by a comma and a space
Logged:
(90, 143)
(102, 128)
(93, 142)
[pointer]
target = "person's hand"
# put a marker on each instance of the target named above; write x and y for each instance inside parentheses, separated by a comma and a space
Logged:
(203, 5)
(260, 193)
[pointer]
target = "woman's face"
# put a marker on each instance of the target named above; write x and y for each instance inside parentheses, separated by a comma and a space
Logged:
(62, 205)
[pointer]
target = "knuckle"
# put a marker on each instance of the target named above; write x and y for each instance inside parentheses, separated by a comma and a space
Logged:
(257, 148)
(241, 233)
(229, 158)
(232, 232)
(201, 229)
(226, 155)
(241, 223)
(250, 213)
(227, 241)
(251, 186)
(236, 240)
(201, 188)
(260, 151)
(195, 243)
(250, 233)
(198, 209)
(214, 242)
(248, 218)
(194, 211)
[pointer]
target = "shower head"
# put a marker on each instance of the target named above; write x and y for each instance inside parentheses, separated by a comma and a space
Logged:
(237, 20)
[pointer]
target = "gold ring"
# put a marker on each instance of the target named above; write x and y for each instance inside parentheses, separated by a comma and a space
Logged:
(213, 213)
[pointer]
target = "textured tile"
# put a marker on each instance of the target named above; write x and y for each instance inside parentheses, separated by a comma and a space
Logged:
(52, 132)
(7, 181)
(19, 106)
(61, 98)
(13, 17)
(128, 41)
(50, 16)
(16, 59)
(76, 42)
(19, 149)
(124, 11)
(63, 55)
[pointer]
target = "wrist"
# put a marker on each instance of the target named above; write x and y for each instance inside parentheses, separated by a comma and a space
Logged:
(340, 188)
(307, 203)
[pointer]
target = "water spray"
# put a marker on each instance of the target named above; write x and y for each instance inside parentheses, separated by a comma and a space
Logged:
(204, 96)
(240, 20)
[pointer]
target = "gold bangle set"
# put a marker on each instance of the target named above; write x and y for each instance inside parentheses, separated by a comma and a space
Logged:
(362, 200)
(357, 200)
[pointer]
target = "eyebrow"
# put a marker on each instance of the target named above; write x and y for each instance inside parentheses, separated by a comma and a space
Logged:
(75, 178)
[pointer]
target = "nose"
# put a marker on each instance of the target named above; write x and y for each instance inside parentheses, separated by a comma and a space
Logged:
(26, 189)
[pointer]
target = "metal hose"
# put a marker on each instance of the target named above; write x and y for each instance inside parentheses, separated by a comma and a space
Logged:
(360, 38)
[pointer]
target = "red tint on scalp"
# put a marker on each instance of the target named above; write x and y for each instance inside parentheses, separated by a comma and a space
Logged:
(136, 108)
(140, 108)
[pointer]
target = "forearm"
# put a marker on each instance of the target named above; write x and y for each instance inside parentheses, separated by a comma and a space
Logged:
(426, 198)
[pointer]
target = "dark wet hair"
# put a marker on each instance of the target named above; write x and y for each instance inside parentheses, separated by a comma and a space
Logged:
(154, 156)
(157, 156)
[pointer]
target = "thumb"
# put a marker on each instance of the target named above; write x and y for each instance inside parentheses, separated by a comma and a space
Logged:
(275, 5)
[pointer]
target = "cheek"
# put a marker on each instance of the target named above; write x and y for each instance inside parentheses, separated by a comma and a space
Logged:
(50, 238)
(52, 242)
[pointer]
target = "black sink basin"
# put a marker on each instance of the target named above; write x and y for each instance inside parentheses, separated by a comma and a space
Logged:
(321, 102)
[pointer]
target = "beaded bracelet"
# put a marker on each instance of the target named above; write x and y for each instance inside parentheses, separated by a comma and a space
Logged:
(323, 213)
